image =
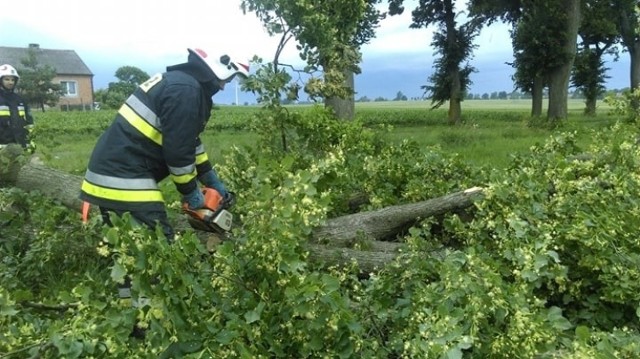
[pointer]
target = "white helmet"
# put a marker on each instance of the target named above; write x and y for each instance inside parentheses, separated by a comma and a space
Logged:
(223, 66)
(8, 70)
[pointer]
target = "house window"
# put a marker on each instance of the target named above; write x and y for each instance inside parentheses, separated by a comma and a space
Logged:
(69, 88)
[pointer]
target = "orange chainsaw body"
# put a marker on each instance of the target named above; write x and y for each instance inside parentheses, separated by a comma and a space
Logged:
(213, 217)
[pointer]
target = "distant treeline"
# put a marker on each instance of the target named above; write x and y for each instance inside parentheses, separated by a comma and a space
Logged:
(496, 95)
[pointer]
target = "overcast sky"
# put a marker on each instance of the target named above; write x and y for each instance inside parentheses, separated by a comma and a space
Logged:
(152, 34)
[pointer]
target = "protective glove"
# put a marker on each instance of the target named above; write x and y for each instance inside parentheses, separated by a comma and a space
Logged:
(194, 199)
(210, 179)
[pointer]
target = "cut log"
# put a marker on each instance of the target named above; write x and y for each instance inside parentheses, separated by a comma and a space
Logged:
(388, 222)
(330, 243)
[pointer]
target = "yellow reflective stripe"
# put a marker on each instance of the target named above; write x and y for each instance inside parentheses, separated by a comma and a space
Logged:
(144, 112)
(201, 158)
(185, 178)
(5, 111)
(140, 124)
(122, 195)
(184, 174)
(201, 155)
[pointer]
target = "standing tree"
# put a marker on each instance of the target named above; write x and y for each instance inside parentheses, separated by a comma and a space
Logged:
(117, 92)
(36, 84)
(535, 55)
(451, 79)
(130, 77)
(329, 33)
(544, 40)
(599, 34)
(629, 28)
(568, 14)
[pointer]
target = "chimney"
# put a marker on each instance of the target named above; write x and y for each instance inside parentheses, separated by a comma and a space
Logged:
(34, 46)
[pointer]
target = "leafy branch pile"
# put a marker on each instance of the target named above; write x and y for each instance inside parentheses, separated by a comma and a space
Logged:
(547, 266)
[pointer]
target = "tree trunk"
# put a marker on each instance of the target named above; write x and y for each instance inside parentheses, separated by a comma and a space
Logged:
(455, 94)
(330, 243)
(455, 109)
(388, 222)
(631, 41)
(634, 53)
(344, 108)
(536, 96)
(559, 77)
(590, 106)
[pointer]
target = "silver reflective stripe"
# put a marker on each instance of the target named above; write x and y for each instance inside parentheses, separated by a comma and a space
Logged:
(199, 149)
(145, 112)
(4, 108)
(179, 171)
(123, 183)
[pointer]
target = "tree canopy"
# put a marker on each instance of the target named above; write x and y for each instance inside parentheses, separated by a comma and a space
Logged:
(36, 82)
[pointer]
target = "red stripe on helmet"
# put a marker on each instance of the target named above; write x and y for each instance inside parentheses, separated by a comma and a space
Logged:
(201, 52)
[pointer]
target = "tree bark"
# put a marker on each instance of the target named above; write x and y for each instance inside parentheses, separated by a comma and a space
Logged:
(344, 108)
(631, 40)
(331, 242)
(388, 222)
(455, 94)
(559, 77)
(536, 96)
(590, 106)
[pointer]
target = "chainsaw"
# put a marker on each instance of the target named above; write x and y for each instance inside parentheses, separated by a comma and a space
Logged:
(214, 216)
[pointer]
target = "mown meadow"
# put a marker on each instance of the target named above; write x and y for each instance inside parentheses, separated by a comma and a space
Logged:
(493, 130)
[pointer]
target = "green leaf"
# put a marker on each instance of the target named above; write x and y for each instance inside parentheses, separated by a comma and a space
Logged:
(8, 311)
(255, 314)
(558, 320)
(252, 316)
(454, 353)
(582, 333)
(331, 284)
(225, 337)
(118, 272)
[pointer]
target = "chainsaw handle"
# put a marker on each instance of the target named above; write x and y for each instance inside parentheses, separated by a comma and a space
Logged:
(229, 200)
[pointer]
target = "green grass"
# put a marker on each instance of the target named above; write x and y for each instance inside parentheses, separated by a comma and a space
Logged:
(492, 130)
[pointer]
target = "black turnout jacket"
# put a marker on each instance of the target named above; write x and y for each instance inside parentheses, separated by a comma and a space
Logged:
(154, 135)
(15, 117)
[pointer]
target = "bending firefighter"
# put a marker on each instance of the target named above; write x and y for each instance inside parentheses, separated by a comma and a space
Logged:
(15, 116)
(156, 134)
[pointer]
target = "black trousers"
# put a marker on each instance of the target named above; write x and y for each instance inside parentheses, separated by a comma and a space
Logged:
(150, 219)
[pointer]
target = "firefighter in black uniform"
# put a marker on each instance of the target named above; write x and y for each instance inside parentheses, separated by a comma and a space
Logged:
(15, 116)
(156, 134)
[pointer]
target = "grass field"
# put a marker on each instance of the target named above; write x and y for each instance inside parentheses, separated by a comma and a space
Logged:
(491, 105)
(491, 132)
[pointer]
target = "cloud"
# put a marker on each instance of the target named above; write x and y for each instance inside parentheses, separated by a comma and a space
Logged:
(395, 36)
(153, 34)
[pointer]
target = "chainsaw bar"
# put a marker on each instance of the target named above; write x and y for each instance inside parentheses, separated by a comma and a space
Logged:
(209, 221)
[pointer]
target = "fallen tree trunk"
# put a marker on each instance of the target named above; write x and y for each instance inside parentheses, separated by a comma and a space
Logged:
(330, 243)
(389, 221)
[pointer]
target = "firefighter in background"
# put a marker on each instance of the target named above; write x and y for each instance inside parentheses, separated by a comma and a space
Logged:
(156, 134)
(15, 115)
